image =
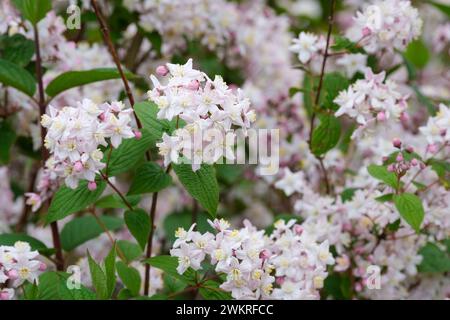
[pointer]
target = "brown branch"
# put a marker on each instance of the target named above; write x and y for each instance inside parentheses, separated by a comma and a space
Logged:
(117, 191)
(42, 106)
(319, 90)
(26, 209)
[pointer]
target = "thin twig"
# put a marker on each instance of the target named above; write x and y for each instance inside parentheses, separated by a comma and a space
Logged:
(42, 107)
(319, 89)
(117, 191)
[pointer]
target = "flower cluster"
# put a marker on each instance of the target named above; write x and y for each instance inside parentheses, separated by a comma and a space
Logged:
(17, 265)
(209, 108)
(288, 264)
(75, 133)
(371, 100)
(386, 24)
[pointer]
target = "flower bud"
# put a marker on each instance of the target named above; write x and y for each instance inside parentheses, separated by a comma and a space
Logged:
(162, 71)
(137, 134)
(422, 165)
(366, 32)
(193, 85)
(432, 148)
(298, 229)
(264, 255)
(42, 266)
(4, 295)
(397, 143)
(399, 157)
(410, 149)
(92, 185)
(414, 162)
(391, 168)
(381, 116)
(280, 280)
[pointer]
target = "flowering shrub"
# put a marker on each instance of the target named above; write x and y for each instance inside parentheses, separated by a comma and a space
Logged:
(135, 161)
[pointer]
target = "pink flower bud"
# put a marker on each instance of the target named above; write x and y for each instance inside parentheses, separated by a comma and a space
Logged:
(399, 157)
(265, 254)
(280, 280)
(397, 143)
(193, 85)
(102, 117)
(12, 274)
(443, 132)
(298, 229)
(391, 168)
(432, 148)
(414, 162)
(137, 134)
(92, 185)
(410, 149)
(78, 166)
(42, 266)
(404, 117)
(366, 32)
(162, 71)
(422, 165)
(4, 295)
(381, 116)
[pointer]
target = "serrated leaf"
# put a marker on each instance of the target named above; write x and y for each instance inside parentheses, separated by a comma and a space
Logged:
(441, 167)
(169, 265)
(131, 251)
(345, 44)
(17, 49)
(138, 222)
(128, 154)
(17, 77)
(82, 229)
(149, 177)
(110, 271)
(33, 10)
(130, 277)
(53, 286)
(333, 83)
(98, 278)
(201, 185)
(146, 112)
(9, 239)
(434, 259)
(348, 194)
(114, 201)
(73, 79)
(411, 209)
(67, 200)
(385, 197)
(210, 290)
(381, 173)
(418, 53)
(326, 136)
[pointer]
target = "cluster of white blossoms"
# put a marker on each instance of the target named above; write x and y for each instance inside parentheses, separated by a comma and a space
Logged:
(17, 265)
(75, 133)
(307, 46)
(437, 129)
(386, 25)
(209, 108)
(288, 264)
(371, 100)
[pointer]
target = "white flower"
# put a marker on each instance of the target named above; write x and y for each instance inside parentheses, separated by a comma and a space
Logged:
(305, 46)
(352, 63)
(291, 182)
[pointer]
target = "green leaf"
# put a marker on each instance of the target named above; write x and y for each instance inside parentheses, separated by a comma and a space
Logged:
(441, 167)
(110, 271)
(333, 83)
(169, 265)
(114, 201)
(138, 222)
(347, 194)
(98, 279)
(33, 10)
(418, 54)
(146, 112)
(82, 229)
(434, 259)
(67, 200)
(442, 7)
(410, 208)
(210, 290)
(338, 286)
(17, 77)
(345, 44)
(54, 286)
(124, 294)
(201, 185)
(72, 79)
(30, 291)
(308, 89)
(130, 277)
(132, 251)
(17, 49)
(385, 197)
(149, 177)
(128, 154)
(9, 239)
(381, 173)
(229, 173)
(326, 136)
(8, 136)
